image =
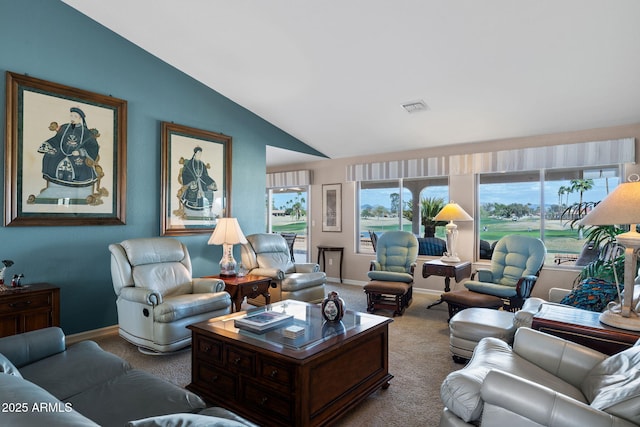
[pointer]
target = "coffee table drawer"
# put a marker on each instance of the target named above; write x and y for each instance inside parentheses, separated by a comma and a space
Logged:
(209, 350)
(240, 362)
(267, 401)
(274, 372)
(216, 381)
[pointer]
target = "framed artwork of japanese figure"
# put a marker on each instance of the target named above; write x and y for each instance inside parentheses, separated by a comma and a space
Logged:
(65, 155)
(195, 179)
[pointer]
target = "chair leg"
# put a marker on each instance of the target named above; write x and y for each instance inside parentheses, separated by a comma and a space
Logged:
(399, 306)
(370, 302)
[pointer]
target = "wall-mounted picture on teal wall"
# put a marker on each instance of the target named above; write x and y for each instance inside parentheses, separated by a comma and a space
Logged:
(195, 181)
(65, 155)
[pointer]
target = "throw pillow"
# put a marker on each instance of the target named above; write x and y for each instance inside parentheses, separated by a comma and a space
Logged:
(613, 385)
(7, 367)
(592, 294)
(184, 420)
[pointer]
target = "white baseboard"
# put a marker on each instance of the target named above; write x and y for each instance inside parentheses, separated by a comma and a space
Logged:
(88, 335)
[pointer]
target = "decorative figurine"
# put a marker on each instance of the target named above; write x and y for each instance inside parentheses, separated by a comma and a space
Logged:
(333, 307)
(6, 263)
(16, 281)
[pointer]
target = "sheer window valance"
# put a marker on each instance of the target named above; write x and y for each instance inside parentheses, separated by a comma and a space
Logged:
(395, 169)
(289, 179)
(596, 153)
(582, 154)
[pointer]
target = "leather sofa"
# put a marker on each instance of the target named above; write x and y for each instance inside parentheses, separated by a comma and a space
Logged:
(44, 383)
(542, 381)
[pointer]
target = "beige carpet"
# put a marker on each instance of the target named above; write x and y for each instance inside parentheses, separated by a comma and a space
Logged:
(419, 359)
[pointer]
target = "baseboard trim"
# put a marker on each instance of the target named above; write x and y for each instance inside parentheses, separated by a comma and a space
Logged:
(92, 334)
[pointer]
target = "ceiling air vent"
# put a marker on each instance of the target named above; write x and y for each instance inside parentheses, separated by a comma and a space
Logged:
(415, 106)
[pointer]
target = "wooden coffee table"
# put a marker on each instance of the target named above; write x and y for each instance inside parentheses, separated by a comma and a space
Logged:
(249, 286)
(272, 380)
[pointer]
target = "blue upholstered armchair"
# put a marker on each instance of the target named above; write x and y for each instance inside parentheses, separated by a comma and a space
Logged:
(515, 266)
(391, 273)
(396, 256)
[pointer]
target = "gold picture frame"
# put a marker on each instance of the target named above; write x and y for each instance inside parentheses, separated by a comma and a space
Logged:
(195, 179)
(65, 155)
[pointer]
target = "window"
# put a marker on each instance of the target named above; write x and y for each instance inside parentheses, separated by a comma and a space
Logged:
(287, 209)
(537, 204)
(389, 205)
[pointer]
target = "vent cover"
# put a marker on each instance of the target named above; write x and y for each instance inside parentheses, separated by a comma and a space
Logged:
(415, 106)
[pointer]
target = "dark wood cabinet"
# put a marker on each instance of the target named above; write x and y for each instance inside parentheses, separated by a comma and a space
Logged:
(29, 308)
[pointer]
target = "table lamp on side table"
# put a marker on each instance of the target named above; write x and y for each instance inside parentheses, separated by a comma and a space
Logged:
(621, 208)
(227, 233)
(452, 212)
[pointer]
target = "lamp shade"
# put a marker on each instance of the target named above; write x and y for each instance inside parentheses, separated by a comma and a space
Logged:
(618, 208)
(452, 212)
(227, 231)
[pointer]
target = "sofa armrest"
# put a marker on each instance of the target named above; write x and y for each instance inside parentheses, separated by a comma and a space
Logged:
(203, 285)
(556, 294)
(564, 359)
(141, 295)
(29, 347)
(374, 265)
(274, 273)
(524, 316)
(484, 275)
(306, 267)
(536, 403)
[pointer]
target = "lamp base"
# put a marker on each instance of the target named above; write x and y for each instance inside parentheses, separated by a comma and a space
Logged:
(228, 263)
(611, 318)
(449, 258)
(228, 274)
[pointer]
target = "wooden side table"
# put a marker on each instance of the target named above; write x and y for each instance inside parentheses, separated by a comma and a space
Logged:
(249, 286)
(31, 307)
(582, 327)
(325, 248)
(436, 267)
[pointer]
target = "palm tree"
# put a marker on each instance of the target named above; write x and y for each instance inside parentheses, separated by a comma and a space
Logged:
(579, 210)
(561, 192)
(581, 185)
(429, 208)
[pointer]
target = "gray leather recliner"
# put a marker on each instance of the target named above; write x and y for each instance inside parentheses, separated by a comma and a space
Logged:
(542, 381)
(268, 255)
(157, 297)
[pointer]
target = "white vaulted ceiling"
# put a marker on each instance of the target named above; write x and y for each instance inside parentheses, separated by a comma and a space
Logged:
(334, 73)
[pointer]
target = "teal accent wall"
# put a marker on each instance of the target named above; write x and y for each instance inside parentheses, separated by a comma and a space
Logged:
(49, 40)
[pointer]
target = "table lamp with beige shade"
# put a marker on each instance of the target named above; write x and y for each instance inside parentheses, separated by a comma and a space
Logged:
(227, 233)
(622, 207)
(452, 212)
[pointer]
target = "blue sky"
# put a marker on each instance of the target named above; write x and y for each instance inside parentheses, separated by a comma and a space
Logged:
(523, 192)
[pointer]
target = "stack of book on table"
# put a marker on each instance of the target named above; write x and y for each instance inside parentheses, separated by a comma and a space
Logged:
(262, 322)
(293, 331)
